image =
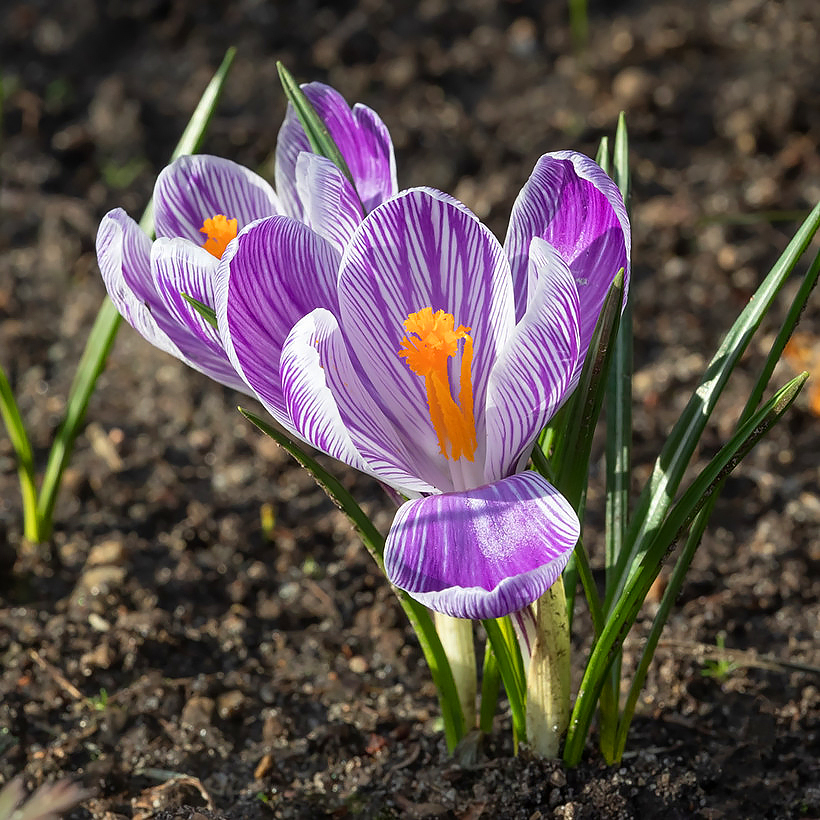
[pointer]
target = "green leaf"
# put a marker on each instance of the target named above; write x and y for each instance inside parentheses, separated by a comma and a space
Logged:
(678, 574)
(504, 644)
(617, 459)
(628, 605)
(571, 459)
(18, 435)
(602, 156)
(207, 313)
(677, 451)
(108, 321)
(419, 616)
(321, 142)
(490, 687)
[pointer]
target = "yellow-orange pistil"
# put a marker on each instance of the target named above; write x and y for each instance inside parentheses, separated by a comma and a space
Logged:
(431, 340)
(220, 230)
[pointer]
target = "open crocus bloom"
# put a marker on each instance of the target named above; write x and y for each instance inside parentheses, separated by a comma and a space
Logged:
(420, 363)
(201, 203)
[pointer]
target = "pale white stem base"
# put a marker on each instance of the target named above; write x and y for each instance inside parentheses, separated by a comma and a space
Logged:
(456, 636)
(548, 676)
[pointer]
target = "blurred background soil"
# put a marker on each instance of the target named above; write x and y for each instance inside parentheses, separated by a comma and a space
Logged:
(204, 630)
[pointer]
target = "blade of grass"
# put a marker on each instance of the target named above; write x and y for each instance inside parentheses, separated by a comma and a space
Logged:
(418, 614)
(680, 517)
(108, 321)
(674, 458)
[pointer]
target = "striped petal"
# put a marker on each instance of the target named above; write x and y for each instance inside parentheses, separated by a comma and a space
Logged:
(414, 251)
(197, 187)
(360, 135)
(330, 408)
(570, 201)
(124, 257)
(179, 267)
(331, 207)
(274, 273)
(483, 553)
(311, 408)
(533, 375)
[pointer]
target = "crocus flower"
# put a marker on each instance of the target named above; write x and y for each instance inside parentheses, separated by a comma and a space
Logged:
(202, 202)
(431, 359)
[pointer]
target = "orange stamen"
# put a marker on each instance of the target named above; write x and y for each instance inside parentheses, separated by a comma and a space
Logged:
(434, 340)
(220, 230)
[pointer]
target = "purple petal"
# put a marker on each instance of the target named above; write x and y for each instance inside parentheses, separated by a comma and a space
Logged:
(332, 208)
(414, 251)
(124, 257)
(274, 273)
(197, 187)
(359, 134)
(317, 373)
(569, 201)
(180, 267)
(533, 375)
(483, 553)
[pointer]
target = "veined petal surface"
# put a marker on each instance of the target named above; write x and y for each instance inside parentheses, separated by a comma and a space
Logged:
(330, 408)
(533, 374)
(360, 135)
(124, 257)
(275, 272)
(414, 251)
(570, 202)
(197, 187)
(179, 267)
(331, 207)
(484, 553)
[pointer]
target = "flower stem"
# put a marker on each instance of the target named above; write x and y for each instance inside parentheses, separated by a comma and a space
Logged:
(456, 636)
(548, 679)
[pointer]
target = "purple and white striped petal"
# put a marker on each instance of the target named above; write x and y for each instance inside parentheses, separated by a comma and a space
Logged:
(483, 553)
(179, 267)
(331, 207)
(360, 135)
(533, 374)
(274, 273)
(414, 251)
(311, 409)
(330, 408)
(569, 201)
(197, 187)
(124, 257)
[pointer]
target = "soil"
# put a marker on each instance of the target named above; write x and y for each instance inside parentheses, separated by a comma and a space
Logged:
(204, 636)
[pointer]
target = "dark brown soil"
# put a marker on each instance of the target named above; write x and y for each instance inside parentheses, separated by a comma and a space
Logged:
(168, 650)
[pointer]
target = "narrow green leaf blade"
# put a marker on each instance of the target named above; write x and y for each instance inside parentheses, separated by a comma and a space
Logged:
(418, 615)
(207, 313)
(18, 435)
(321, 142)
(511, 675)
(602, 155)
(628, 605)
(674, 458)
(572, 455)
(108, 321)
(490, 687)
